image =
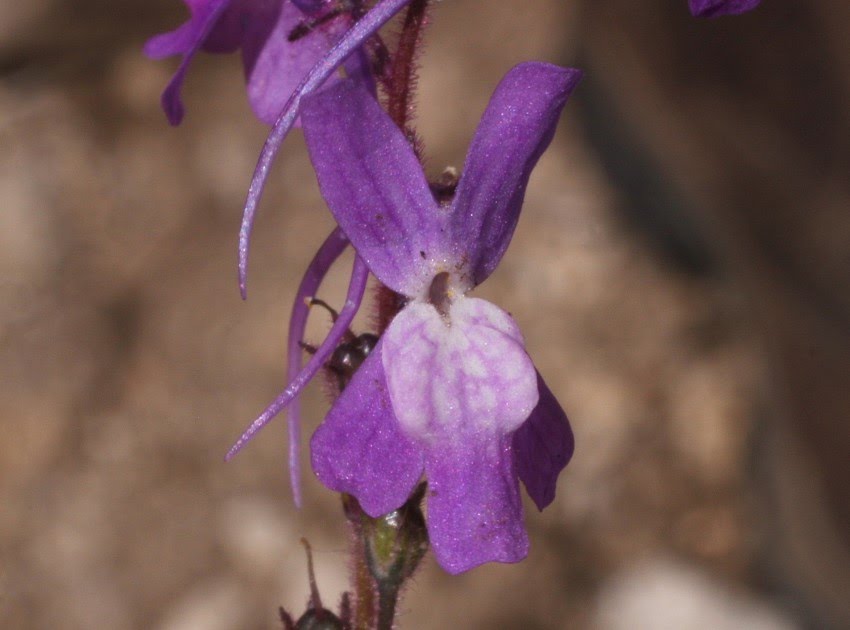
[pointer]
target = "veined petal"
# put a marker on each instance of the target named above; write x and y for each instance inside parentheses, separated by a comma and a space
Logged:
(318, 268)
(715, 8)
(185, 40)
(543, 446)
(453, 379)
(356, 288)
(359, 448)
(474, 509)
(516, 128)
(374, 185)
(364, 28)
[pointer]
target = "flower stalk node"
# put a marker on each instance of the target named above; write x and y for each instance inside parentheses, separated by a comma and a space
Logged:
(439, 294)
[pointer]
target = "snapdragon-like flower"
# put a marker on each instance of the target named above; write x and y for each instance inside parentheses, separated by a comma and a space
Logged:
(281, 40)
(450, 390)
(714, 8)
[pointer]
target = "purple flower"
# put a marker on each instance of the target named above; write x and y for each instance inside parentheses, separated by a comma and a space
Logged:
(714, 8)
(280, 41)
(449, 390)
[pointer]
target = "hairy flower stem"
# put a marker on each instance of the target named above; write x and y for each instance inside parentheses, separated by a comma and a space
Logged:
(390, 548)
(385, 551)
(403, 70)
(400, 93)
(362, 581)
(387, 600)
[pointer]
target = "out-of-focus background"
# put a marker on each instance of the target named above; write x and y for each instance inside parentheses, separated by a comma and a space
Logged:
(681, 273)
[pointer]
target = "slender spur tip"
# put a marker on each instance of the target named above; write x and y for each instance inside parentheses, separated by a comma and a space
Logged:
(318, 268)
(356, 289)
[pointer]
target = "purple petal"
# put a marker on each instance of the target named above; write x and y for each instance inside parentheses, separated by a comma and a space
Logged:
(358, 67)
(328, 253)
(469, 374)
(274, 66)
(359, 448)
(715, 8)
(312, 7)
(348, 43)
(543, 446)
(474, 509)
(516, 128)
(240, 18)
(356, 288)
(206, 16)
(374, 185)
(185, 40)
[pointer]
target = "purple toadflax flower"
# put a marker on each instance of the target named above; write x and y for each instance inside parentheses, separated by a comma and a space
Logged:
(715, 8)
(449, 391)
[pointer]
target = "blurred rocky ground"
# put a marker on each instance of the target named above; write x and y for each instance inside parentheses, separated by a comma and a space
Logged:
(680, 272)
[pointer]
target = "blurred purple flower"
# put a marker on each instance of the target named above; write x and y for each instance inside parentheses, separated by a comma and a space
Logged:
(714, 8)
(449, 390)
(280, 40)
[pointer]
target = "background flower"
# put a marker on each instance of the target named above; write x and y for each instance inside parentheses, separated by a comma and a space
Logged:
(280, 43)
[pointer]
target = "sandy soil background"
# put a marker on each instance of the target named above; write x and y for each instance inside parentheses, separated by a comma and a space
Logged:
(680, 273)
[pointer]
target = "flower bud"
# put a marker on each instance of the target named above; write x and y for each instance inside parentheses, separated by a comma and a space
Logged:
(396, 542)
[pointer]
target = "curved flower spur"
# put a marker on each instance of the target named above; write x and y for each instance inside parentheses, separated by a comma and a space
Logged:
(449, 390)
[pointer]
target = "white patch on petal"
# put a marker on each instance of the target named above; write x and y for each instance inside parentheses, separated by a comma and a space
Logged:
(474, 366)
(484, 313)
(512, 371)
(489, 396)
(449, 380)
